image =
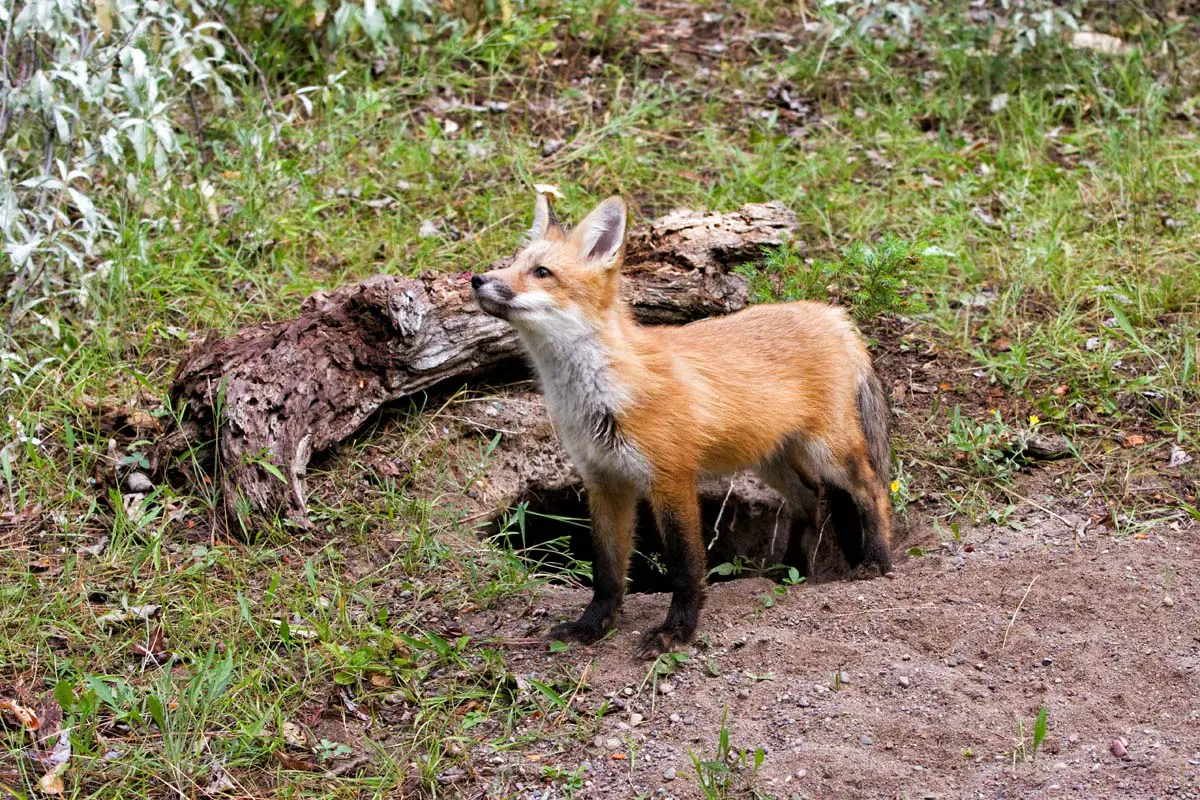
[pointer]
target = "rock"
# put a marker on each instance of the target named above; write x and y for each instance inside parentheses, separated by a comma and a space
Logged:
(1119, 748)
(139, 483)
(800, 773)
(676, 718)
(664, 687)
(1047, 661)
(1073, 738)
(669, 774)
(743, 692)
(612, 743)
(552, 146)
(1060, 765)
(866, 740)
(635, 719)
(804, 702)
(1167, 601)
(844, 678)
(905, 681)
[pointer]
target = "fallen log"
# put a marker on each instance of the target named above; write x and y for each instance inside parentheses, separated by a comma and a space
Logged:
(274, 394)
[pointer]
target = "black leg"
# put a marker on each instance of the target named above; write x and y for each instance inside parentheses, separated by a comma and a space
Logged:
(678, 516)
(612, 541)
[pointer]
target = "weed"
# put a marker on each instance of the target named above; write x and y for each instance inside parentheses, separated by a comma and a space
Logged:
(731, 771)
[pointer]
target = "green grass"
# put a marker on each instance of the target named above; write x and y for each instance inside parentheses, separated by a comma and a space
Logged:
(1070, 211)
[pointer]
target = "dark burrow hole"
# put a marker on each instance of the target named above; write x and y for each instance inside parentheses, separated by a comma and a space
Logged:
(549, 529)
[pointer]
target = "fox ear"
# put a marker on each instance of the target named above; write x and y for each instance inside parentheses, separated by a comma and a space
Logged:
(545, 226)
(602, 233)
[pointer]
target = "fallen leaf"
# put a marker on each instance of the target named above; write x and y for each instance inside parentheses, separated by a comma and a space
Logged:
(296, 764)
(1061, 389)
(1179, 457)
(1133, 439)
(93, 550)
(128, 614)
(1099, 43)
(221, 782)
(293, 735)
(1001, 345)
(25, 717)
(52, 782)
(155, 649)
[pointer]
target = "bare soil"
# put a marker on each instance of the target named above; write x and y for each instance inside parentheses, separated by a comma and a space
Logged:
(1101, 632)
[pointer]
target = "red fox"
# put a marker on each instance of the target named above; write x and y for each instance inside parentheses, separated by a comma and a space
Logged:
(787, 390)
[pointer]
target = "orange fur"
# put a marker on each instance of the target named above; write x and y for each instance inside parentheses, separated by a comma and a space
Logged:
(778, 388)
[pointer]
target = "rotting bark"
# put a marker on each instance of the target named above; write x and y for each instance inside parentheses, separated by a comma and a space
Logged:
(277, 393)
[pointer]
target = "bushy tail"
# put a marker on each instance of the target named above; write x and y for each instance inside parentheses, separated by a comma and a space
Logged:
(875, 415)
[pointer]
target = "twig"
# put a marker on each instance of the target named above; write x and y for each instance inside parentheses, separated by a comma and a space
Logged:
(720, 513)
(1017, 610)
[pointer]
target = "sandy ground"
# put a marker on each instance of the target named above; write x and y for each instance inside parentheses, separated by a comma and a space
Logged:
(910, 687)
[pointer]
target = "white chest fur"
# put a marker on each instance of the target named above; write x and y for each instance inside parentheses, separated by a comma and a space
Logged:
(584, 403)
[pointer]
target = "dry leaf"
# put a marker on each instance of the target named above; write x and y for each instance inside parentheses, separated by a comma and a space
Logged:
(296, 764)
(25, 717)
(1099, 43)
(293, 735)
(1061, 389)
(128, 614)
(52, 782)
(155, 649)
(1133, 439)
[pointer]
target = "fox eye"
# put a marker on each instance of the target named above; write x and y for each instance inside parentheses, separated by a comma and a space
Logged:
(542, 272)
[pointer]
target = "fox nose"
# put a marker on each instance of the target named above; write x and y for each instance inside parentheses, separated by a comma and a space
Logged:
(477, 281)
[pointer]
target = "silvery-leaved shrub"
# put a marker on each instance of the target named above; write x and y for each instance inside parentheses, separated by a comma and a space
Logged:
(90, 92)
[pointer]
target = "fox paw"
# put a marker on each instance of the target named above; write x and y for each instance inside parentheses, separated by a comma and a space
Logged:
(663, 639)
(582, 630)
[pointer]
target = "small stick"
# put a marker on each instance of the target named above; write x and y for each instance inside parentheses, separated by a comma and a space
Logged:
(1017, 610)
(721, 513)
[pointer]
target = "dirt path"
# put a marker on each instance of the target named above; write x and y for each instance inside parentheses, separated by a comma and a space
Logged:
(935, 675)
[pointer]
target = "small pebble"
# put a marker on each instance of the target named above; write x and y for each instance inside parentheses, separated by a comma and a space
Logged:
(676, 718)
(1167, 601)
(905, 681)
(635, 719)
(800, 773)
(629, 690)
(664, 687)
(804, 702)
(612, 743)
(743, 693)
(1047, 661)
(1119, 747)
(1060, 765)
(866, 740)
(905, 657)
(669, 775)
(844, 678)
(1073, 738)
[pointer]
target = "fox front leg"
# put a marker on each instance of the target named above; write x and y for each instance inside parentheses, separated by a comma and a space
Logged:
(613, 509)
(677, 513)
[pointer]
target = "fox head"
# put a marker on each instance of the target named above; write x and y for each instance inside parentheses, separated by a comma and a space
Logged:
(560, 281)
